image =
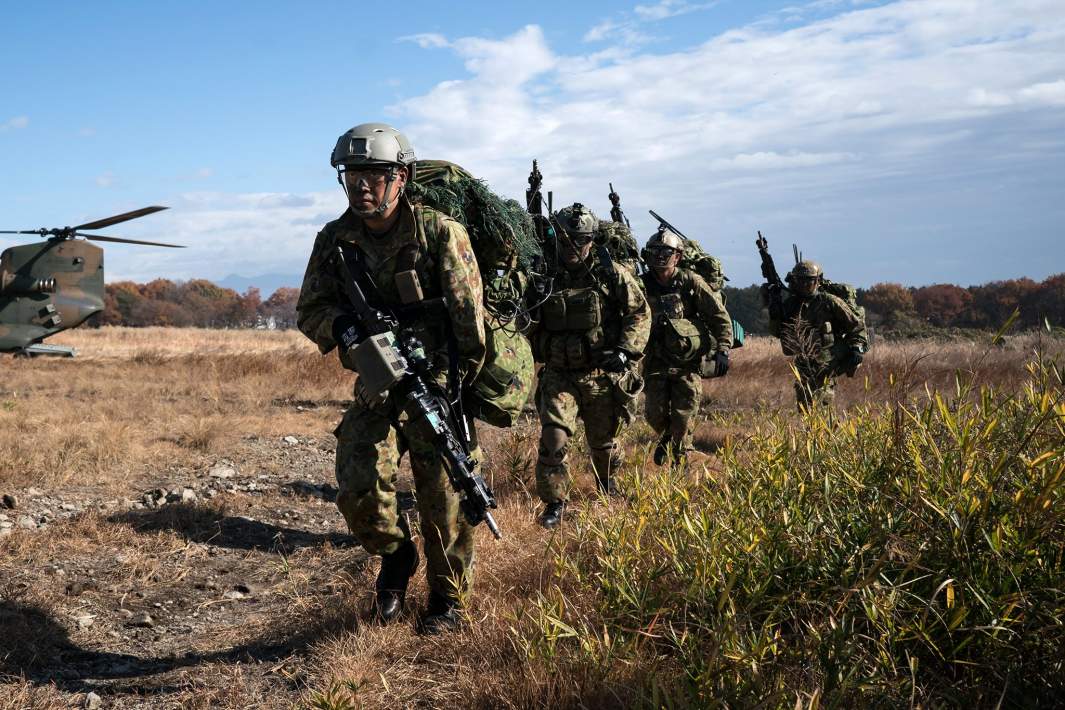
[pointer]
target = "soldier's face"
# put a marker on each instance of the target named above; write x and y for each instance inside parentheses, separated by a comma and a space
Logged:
(575, 249)
(664, 258)
(807, 286)
(368, 188)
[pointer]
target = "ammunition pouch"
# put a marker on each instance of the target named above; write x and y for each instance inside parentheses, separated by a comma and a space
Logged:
(573, 310)
(572, 329)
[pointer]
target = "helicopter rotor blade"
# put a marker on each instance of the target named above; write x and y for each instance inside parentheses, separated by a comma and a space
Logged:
(22, 231)
(121, 240)
(124, 217)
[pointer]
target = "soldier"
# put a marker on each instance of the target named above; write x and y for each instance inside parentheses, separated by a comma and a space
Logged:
(391, 239)
(592, 331)
(825, 336)
(691, 335)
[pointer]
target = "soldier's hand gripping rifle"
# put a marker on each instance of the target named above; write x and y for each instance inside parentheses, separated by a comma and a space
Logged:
(615, 207)
(387, 357)
(775, 285)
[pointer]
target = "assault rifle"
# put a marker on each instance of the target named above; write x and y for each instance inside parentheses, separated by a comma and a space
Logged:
(772, 278)
(389, 357)
(615, 207)
(663, 223)
(769, 269)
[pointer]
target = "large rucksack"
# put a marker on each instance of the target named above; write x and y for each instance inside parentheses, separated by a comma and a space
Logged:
(706, 265)
(846, 293)
(504, 240)
(620, 244)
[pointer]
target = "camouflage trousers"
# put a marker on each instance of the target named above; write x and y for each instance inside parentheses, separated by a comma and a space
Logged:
(369, 448)
(671, 401)
(604, 401)
(816, 386)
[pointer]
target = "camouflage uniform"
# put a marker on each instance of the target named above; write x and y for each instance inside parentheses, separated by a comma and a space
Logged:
(819, 331)
(672, 387)
(373, 435)
(593, 309)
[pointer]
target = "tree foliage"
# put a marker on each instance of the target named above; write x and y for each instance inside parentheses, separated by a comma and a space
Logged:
(195, 303)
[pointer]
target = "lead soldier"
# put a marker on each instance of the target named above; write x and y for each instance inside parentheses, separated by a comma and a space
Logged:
(391, 238)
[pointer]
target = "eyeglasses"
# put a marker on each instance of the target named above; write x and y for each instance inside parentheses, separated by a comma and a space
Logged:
(372, 176)
(663, 251)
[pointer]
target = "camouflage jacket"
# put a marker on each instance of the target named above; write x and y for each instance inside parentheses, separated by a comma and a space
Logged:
(445, 264)
(624, 322)
(687, 296)
(819, 329)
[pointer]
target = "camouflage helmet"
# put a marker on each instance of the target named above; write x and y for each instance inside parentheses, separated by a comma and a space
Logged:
(372, 144)
(665, 236)
(578, 219)
(806, 269)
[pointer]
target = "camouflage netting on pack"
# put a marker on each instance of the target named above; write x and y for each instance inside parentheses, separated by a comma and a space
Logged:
(504, 239)
(500, 229)
(620, 243)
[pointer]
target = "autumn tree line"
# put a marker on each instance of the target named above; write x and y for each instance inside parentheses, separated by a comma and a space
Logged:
(891, 308)
(195, 303)
(894, 309)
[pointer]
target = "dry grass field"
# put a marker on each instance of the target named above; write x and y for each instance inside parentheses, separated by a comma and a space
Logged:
(170, 537)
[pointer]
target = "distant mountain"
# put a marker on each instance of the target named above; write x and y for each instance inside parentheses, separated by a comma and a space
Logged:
(266, 283)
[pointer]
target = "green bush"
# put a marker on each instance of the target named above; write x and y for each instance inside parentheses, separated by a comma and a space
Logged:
(908, 552)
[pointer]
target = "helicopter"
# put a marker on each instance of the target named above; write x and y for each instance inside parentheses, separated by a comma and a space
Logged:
(51, 286)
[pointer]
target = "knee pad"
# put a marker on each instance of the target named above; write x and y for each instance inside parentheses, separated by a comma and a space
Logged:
(553, 446)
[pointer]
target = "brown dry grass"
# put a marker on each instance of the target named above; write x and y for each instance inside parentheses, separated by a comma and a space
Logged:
(140, 406)
(136, 398)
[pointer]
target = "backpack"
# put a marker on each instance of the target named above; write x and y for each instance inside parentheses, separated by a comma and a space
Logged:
(846, 293)
(621, 246)
(707, 266)
(504, 239)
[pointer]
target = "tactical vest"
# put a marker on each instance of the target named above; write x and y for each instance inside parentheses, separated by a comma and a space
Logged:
(580, 322)
(503, 385)
(677, 335)
(806, 333)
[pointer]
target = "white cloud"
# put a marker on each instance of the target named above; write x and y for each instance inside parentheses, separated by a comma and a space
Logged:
(14, 123)
(669, 8)
(868, 95)
(106, 179)
(225, 233)
(427, 40)
(625, 26)
(1051, 93)
(983, 98)
(862, 136)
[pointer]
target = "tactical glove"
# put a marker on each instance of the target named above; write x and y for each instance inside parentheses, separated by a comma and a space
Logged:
(346, 332)
(615, 361)
(721, 363)
(854, 359)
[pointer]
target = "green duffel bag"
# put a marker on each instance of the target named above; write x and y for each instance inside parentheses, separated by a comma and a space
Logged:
(503, 385)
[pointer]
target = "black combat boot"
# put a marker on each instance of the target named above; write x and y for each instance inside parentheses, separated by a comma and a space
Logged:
(662, 450)
(441, 614)
(396, 571)
(552, 515)
(608, 486)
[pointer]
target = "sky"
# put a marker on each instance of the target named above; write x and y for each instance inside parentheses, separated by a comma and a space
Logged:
(914, 141)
